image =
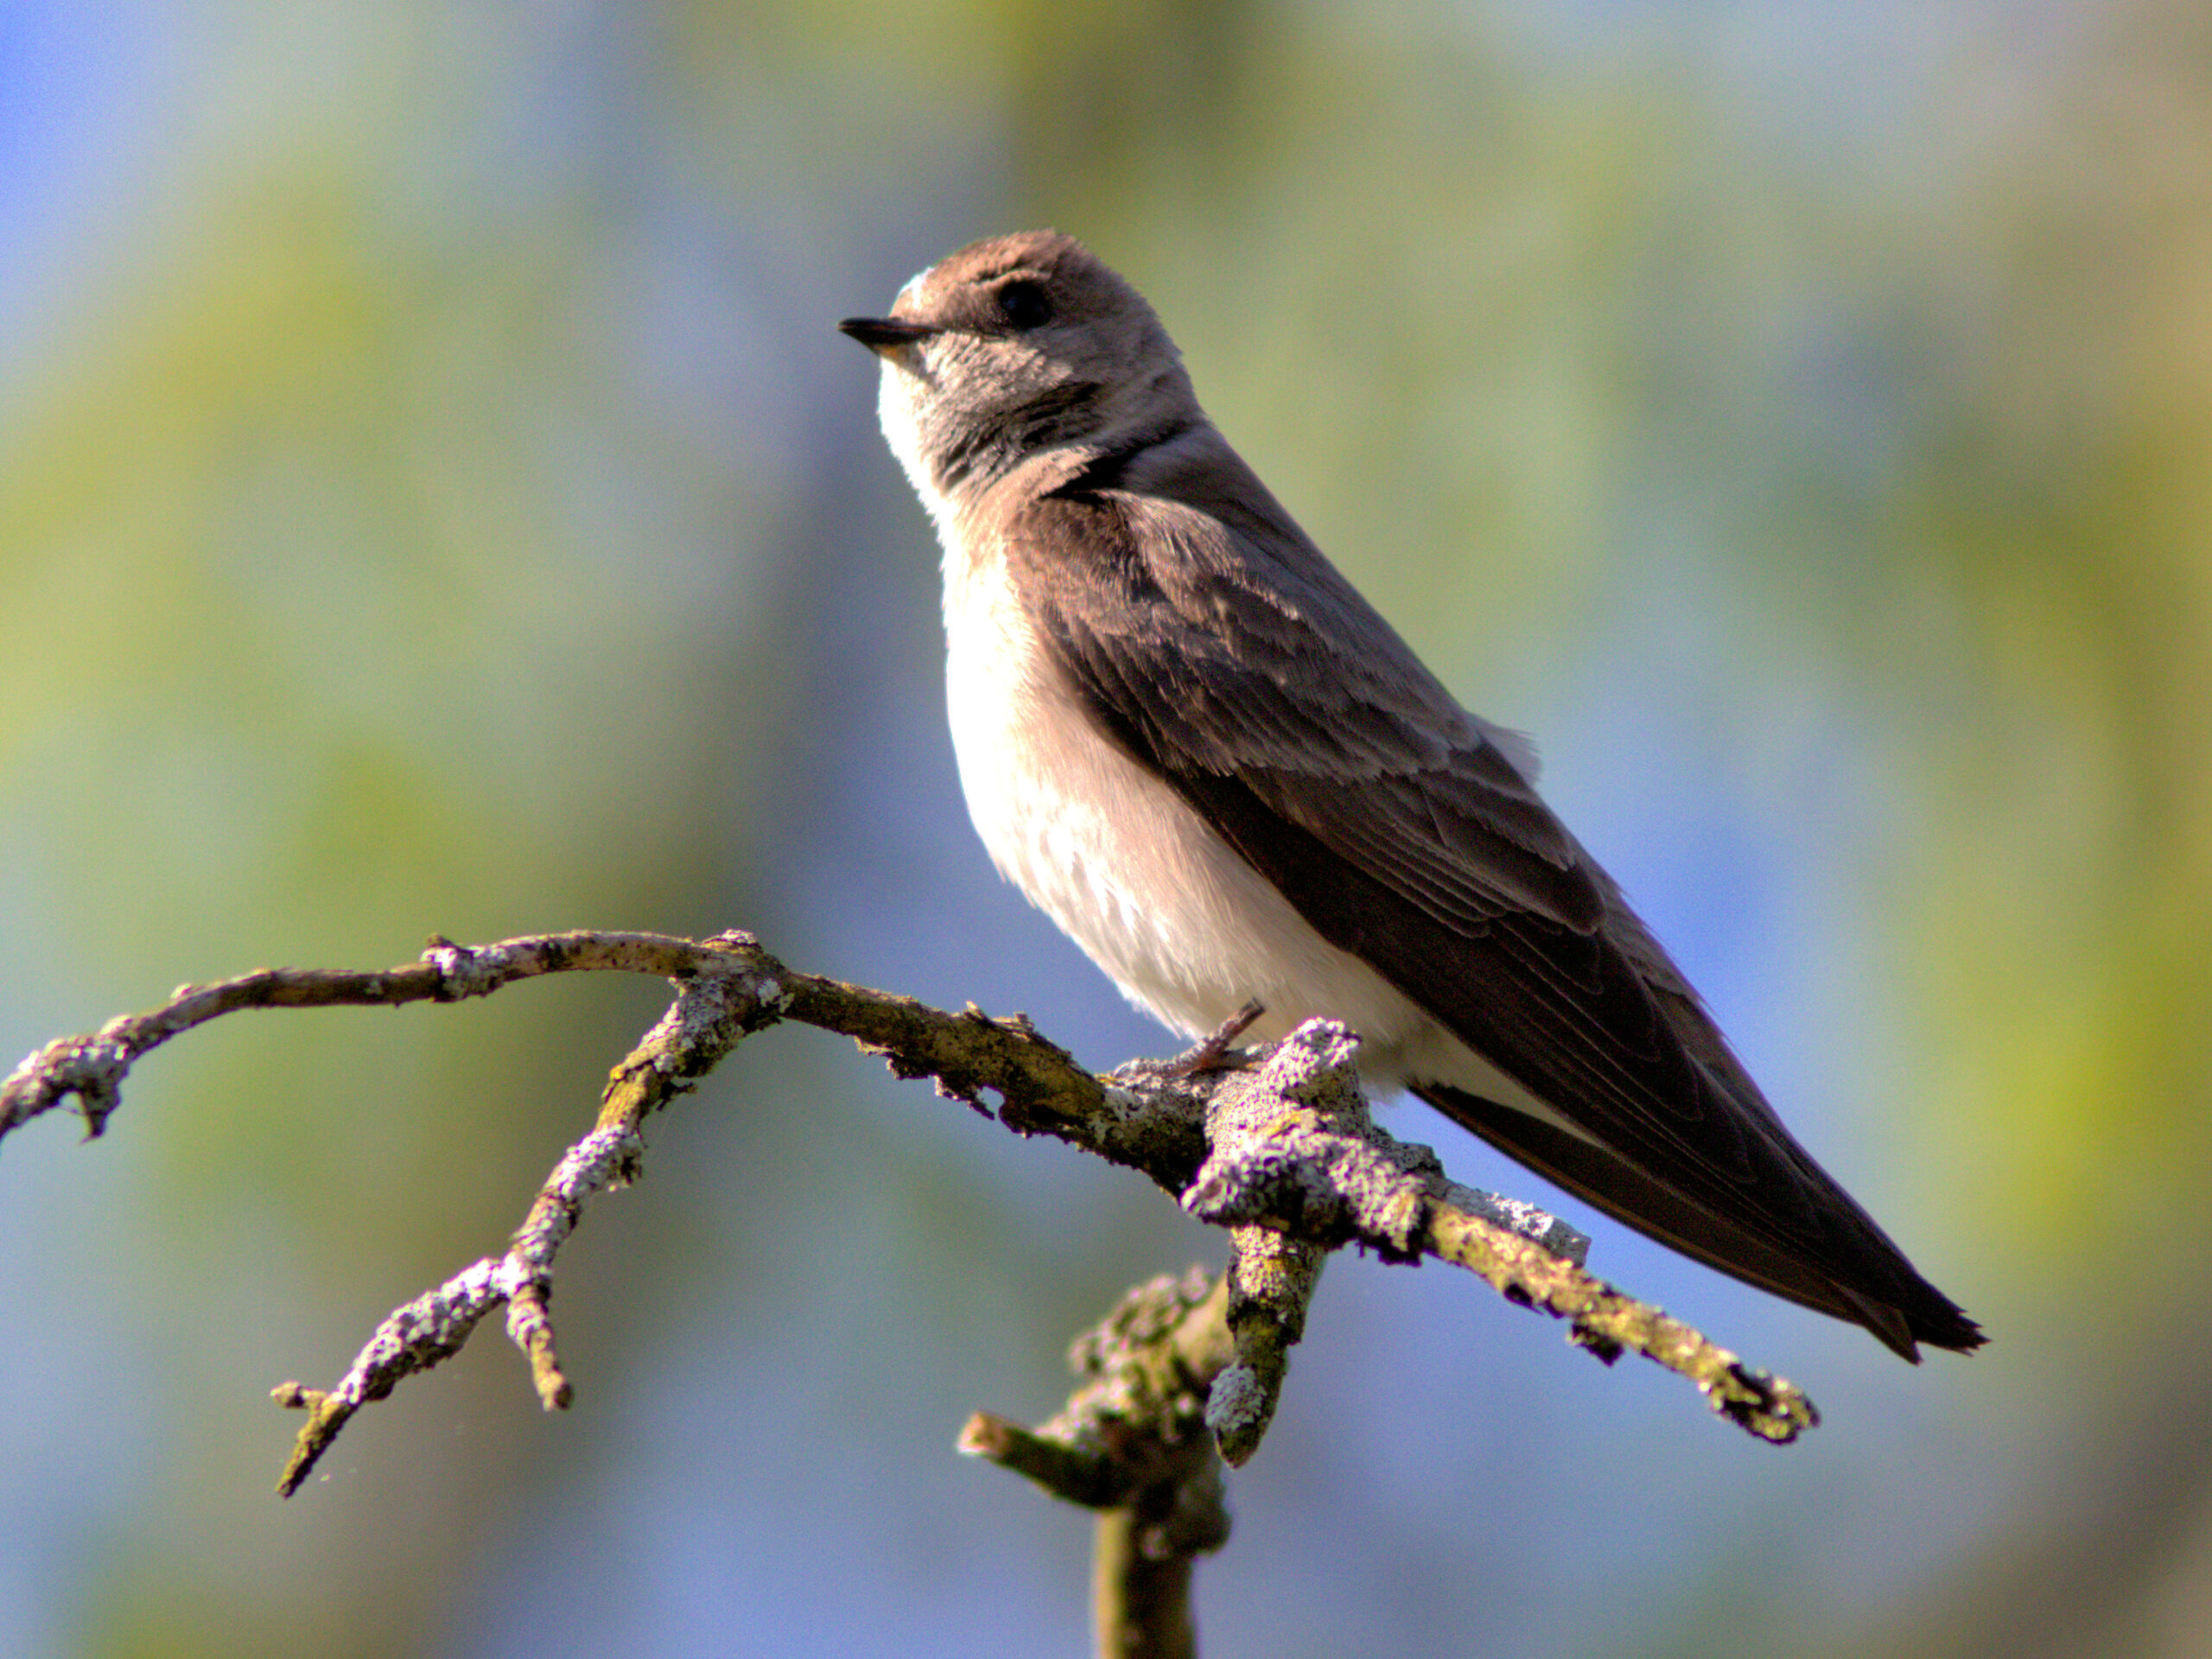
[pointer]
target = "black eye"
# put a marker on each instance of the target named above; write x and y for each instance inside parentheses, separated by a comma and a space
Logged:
(1024, 304)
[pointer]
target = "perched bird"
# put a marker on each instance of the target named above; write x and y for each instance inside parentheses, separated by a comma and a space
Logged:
(1189, 741)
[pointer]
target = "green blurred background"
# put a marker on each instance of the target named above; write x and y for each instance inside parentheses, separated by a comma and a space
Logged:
(433, 499)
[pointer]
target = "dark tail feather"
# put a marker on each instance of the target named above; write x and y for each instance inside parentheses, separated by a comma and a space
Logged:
(1903, 1313)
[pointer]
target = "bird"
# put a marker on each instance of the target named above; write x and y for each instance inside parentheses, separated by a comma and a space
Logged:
(1186, 738)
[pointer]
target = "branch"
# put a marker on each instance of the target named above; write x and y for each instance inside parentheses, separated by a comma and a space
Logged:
(1283, 1153)
(1132, 1444)
(1295, 1150)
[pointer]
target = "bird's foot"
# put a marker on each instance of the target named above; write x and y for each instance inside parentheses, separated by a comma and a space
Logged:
(1215, 1052)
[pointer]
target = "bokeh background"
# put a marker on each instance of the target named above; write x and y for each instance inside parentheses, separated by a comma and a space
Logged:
(433, 499)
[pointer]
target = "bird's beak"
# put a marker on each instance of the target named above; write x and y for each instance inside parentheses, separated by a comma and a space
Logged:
(885, 333)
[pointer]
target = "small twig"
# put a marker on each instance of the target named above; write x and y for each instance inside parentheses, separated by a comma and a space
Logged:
(1609, 1322)
(417, 1336)
(91, 1067)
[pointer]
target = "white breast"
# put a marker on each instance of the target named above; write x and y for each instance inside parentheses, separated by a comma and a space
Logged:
(1187, 929)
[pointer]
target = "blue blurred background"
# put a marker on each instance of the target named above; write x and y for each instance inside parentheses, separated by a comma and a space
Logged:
(433, 497)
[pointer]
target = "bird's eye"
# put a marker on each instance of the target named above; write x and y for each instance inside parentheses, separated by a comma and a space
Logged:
(1024, 304)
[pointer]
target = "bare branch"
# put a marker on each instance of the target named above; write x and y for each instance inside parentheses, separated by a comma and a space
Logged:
(1281, 1152)
(435, 1324)
(91, 1067)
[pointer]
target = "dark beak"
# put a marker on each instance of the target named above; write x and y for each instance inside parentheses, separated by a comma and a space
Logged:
(885, 333)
